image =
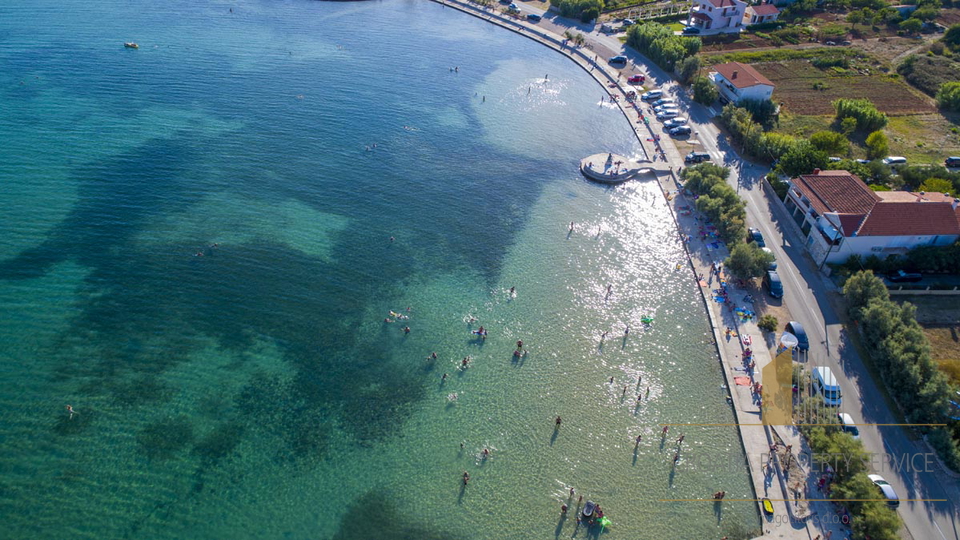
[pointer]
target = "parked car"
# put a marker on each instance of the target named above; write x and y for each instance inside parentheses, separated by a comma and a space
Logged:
(771, 280)
(666, 107)
(513, 9)
(667, 113)
(863, 161)
(652, 94)
(952, 162)
(796, 329)
(825, 384)
(664, 101)
(636, 79)
(886, 489)
(679, 130)
(848, 425)
(690, 30)
(753, 235)
(675, 122)
(834, 159)
(618, 60)
(506, 2)
(773, 264)
(628, 22)
(894, 160)
(696, 157)
(904, 277)
(533, 17)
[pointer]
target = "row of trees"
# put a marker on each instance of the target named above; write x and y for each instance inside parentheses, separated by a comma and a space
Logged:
(658, 43)
(901, 353)
(717, 200)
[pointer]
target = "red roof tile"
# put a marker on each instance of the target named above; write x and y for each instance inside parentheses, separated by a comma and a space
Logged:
(849, 223)
(910, 219)
(722, 3)
(837, 191)
(741, 75)
(765, 9)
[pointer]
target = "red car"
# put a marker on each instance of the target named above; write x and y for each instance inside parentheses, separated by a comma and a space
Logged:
(636, 79)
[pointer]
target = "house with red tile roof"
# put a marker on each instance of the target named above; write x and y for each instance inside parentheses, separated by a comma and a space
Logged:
(717, 16)
(840, 216)
(761, 13)
(737, 81)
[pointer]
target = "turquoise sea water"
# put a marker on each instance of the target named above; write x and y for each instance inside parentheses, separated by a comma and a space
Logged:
(256, 391)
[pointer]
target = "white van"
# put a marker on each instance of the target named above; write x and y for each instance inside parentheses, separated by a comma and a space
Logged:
(826, 384)
(847, 425)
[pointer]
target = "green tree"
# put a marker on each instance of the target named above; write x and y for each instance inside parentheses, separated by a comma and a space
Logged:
(949, 96)
(860, 289)
(855, 18)
(848, 126)
(748, 261)
(911, 26)
(866, 113)
(877, 145)
(704, 91)
(952, 37)
(688, 69)
(831, 142)
(802, 158)
(936, 185)
(877, 522)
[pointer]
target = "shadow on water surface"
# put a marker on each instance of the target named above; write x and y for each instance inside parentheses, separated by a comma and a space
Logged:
(375, 515)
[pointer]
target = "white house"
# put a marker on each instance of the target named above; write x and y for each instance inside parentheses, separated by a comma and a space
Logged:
(762, 13)
(717, 16)
(840, 216)
(737, 81)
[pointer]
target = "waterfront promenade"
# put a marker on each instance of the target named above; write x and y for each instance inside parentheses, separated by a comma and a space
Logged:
(792, 514)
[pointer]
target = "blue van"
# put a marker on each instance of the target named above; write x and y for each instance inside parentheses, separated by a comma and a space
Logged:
(796, 329)
(774, 286)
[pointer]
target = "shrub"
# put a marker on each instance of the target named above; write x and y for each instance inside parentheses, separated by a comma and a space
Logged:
(830, 61)
(768, 323)
(831, 142)
(578, 9)
(762, 111)
(877, 145)
(704, 91)
(866, 113)
(948, 96)
(951, 38)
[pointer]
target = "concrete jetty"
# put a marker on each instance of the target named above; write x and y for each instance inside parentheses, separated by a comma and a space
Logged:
(609, 168)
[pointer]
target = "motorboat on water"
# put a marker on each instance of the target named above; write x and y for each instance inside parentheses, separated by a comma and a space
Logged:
(131, 45)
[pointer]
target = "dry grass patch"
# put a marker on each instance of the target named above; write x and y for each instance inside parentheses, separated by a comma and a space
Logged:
(806, 90)
(945, 348)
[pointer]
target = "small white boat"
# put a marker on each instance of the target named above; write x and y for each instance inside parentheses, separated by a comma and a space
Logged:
(131, 45)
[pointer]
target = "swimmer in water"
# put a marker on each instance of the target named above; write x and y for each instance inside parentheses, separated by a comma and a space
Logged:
(444, 378)
(388, 320)
(434, 356)
(519, 343)
(558, 422)
(406, 329)
(466, 477)
(71, 411)
(512, 290)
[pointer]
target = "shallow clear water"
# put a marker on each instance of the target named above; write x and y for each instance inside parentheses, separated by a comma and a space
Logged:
(256, 391)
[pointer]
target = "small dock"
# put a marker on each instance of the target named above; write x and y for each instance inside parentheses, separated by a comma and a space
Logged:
(609, 168)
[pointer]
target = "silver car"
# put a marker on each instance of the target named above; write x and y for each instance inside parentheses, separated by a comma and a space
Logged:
(669, 113)
(668, 106)
(675, 122)
(886, 489)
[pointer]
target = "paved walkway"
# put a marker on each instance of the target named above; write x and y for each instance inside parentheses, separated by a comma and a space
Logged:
(791, 520)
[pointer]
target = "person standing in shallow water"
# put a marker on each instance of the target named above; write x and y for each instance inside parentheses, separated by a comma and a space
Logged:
(558, 422)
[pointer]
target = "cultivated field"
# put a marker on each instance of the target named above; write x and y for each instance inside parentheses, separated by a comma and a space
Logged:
(797, 83)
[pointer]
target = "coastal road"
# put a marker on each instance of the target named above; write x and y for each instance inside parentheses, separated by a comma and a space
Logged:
(807, 296)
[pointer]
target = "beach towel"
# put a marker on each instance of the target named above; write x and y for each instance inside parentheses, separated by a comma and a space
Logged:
(747, 340)
(702, 283)
(719, 299)
(742, 381)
